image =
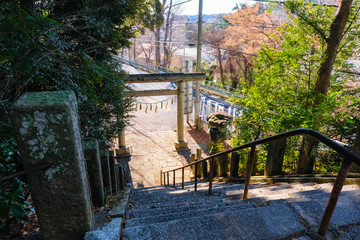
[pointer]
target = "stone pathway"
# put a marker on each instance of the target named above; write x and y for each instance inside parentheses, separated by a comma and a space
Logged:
(151, 137)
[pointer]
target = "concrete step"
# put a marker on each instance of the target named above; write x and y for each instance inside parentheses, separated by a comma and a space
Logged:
(270, 222)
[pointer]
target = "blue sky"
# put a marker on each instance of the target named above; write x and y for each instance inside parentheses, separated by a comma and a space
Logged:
(209, 6)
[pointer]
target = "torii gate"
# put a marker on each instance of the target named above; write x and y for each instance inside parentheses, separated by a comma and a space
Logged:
(180, 78)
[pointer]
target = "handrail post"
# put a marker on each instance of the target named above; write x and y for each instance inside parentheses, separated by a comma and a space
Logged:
(164, 179)
(249, 169)
(168, 182)
(182, 178)
(196, 177)
(334, 196)
(174, 179)
(211, 175)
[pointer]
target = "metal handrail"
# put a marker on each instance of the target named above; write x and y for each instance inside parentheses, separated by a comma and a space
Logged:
(349, 158)
(18, 174)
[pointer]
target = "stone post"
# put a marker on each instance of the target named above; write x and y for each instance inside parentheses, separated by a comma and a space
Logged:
(122, 144)
(92, 157)
(121, 181)
(234, 164)
(112, 171)
(199, 166)
(222, 165)
(192, 159)
(105, 169)
(47, 130)
(123, 161)
(275, 157)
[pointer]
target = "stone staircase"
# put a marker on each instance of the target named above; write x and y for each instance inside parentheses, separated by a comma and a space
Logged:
(273, 211)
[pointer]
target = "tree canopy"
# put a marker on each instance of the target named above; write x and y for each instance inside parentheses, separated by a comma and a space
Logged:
(285, 78)
(64, 45)
(54, 45)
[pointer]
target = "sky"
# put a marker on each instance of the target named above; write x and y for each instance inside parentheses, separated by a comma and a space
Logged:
(209, 6)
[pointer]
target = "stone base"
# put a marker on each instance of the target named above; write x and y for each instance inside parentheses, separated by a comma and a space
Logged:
(122, 151)
(181, 145)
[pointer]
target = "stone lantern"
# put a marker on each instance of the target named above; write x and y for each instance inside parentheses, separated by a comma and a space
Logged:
(218, 129)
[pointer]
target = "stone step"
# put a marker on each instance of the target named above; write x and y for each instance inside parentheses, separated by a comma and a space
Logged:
(265, 193)
(228, 190)
(269, 222)
(346, 212)
(212, 203)
(185, 213)
(178, 201)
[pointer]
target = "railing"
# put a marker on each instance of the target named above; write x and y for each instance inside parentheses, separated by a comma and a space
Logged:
(349, 157)
(18, 174)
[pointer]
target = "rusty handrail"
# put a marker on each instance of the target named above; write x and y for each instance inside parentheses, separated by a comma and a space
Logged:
(18, 174)
(327, 141)
(349, 158)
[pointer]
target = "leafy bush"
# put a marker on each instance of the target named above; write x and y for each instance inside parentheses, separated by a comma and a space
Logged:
(63, 45)
(12, 200)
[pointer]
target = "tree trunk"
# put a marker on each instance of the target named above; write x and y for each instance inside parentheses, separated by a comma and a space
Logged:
(307, 154)
(332, 46)
(356, 149)
(166, 36)
(157, 46)
(306, 158)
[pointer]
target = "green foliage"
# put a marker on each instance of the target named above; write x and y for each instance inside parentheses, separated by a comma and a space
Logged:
(12, 198)
(57, 46)
(64, 45)
(282, 96)
(154, 19)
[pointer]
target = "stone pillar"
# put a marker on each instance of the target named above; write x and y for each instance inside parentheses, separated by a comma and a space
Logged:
(192, 159)
(180, 144)
(121, 139)
(47, 130)
(112, 171)
(199, 166)
(204, 169)
(122, 144)
(234, 164)
(121, 180)
(123, 160)
(92, 157)
(222, 165)
(275, 157)
(105, 169)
